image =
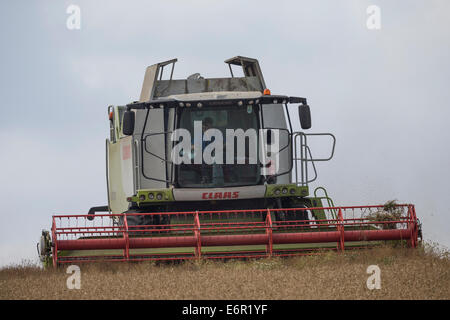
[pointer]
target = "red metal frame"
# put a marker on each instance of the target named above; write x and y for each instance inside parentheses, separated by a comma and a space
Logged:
(210, 229)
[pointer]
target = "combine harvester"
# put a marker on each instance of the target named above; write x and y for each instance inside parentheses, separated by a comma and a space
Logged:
(161, 208)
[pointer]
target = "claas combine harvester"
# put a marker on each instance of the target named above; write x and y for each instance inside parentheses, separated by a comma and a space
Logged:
(183, 182)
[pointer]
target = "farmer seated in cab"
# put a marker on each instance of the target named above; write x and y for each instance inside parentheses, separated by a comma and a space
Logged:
(204, 169)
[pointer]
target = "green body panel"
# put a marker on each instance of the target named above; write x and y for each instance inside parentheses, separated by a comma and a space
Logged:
(272, 191)
(236, 249)
(317, 203)
(144, 196)
(276, 190)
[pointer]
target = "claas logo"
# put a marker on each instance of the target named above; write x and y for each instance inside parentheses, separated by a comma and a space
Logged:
(220, 195)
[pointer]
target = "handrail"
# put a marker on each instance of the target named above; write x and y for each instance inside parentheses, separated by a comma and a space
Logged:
(329, 200)
(306, 156)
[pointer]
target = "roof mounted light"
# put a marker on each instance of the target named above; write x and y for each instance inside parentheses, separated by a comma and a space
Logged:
(266, 92)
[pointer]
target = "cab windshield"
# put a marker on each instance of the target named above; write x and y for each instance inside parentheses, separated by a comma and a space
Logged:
(243, 171)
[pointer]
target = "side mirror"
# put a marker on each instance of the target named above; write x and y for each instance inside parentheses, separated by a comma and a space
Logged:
(128, 123)
(305, 116)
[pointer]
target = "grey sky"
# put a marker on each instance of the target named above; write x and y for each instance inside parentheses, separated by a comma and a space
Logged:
(384, 94)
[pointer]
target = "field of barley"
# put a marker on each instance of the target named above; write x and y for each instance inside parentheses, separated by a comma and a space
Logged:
(422, 273)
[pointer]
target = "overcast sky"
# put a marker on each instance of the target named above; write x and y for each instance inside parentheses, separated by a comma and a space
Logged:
(383, 93)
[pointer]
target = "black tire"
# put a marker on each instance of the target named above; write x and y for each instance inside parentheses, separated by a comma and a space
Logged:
(132, 220)
(293, 215)
(146, 220)
(302, 215)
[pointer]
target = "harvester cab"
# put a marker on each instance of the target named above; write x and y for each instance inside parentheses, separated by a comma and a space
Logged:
(213, 168)
(207, 144)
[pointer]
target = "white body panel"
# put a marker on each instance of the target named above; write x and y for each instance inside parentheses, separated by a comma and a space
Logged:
(194, 194)
(120, 174)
